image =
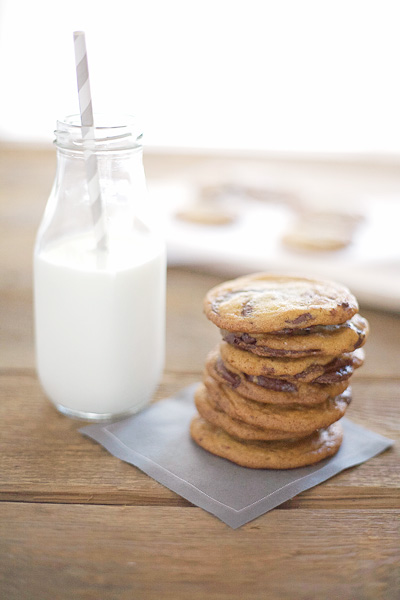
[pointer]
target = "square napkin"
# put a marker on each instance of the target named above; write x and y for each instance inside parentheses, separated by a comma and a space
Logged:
(157, 441)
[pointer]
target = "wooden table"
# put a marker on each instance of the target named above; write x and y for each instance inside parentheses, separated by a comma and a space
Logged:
(75, 522)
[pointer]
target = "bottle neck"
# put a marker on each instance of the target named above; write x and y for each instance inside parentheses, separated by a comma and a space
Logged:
(121, 181)
(110, 135)
(117, 146)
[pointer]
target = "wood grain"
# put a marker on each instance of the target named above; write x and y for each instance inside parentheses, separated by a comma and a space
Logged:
(165, 552)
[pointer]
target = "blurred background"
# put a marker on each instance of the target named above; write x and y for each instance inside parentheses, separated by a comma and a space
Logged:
(295, 77)
(272, 130)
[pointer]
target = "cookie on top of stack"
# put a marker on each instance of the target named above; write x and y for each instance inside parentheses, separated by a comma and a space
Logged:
(277, 385)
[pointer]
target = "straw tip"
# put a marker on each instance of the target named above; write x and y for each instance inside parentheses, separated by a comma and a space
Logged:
(78, 34)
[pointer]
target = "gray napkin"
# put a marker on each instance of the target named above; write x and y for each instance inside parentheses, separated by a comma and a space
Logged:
(157, 440)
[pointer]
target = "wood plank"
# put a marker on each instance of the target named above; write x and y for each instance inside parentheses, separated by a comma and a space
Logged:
(321, 498)
(52, 552)
(44, 458)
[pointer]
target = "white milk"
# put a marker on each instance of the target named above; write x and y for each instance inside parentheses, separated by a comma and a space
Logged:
(100, 330)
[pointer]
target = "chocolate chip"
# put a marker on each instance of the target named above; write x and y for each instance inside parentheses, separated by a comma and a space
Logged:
(249, 343)
(230, 294)
(247, 308)
(214, 308)
(238, 339)
(230, 338)
(219, 300)
(339, 369)
(248, 339)
(359, 342)
(232, 378)
(301, 319)
(278, 385)
(340, 374)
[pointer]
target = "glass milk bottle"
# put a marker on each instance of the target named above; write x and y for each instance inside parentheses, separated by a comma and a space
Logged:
(99, 313)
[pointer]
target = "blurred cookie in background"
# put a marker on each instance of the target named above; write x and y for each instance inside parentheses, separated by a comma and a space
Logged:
(314, 230)
(209, 208)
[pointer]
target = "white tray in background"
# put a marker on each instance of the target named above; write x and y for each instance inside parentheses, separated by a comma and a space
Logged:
(370, 266)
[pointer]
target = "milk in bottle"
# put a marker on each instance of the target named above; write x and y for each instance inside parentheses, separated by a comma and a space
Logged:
(99, 313)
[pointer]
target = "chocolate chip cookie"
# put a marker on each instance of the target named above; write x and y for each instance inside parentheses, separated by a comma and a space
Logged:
(262, 303)
(269, 389)
(276, 387)
(281, 454)
(309, 341)
(305, 369)
(298, 421)
(235, 427)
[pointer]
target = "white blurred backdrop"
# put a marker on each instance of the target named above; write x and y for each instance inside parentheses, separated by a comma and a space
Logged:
(294, 76)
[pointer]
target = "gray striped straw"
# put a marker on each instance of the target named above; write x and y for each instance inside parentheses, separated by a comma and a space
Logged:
(88, 138)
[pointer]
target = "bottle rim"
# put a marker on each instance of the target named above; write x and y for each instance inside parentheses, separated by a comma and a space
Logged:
(111, 132)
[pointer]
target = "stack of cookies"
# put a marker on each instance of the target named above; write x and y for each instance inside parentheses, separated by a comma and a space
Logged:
(276, 386)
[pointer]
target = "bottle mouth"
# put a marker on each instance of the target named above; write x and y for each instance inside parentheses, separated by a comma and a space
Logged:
(111, 132)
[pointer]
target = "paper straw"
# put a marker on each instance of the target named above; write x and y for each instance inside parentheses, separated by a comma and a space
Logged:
(88, 138)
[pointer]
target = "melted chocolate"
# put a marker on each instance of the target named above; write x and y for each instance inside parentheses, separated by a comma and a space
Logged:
(236, 339)
(278, 385)
(232, 378)
(247, 342)
(360, 341)
(301, 319)
(219, 300)
(309, 330)
(247, 339)
(247, 308)
(337, 370)
(230, 294)
(330, 377)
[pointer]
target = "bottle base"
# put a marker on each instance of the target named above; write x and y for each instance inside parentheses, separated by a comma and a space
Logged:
(99, 417)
